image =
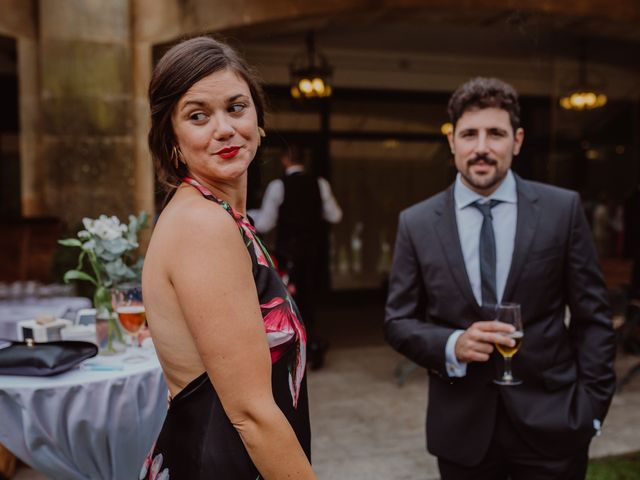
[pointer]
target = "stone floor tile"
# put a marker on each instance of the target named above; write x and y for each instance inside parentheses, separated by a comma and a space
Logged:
(366, 427)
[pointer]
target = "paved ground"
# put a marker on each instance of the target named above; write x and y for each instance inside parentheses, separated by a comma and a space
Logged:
(367, 427)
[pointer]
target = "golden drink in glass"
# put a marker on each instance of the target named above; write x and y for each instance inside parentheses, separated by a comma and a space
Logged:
(509, 313)
(131, 317)
(511, 351)
(127, 302)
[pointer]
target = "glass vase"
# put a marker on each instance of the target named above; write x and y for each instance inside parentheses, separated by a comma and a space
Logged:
(108, 334)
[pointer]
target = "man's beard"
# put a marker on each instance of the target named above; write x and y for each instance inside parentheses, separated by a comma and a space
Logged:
(483, 182)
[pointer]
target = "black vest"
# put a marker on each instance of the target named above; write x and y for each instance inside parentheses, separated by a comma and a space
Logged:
(300, 224)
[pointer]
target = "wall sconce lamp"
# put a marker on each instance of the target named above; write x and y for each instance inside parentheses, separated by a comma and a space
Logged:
(310, 73)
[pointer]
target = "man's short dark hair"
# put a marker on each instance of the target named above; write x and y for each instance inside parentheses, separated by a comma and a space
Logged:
(295, 154)
(479, 93)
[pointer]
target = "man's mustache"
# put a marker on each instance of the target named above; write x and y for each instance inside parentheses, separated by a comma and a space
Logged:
(481, 158)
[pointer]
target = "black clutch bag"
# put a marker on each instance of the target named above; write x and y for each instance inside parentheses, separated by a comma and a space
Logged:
(43, 359)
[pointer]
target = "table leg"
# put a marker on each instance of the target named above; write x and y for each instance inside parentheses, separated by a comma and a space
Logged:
(8, 463)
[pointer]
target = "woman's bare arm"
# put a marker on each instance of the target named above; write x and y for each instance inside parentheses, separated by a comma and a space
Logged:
(210, 269)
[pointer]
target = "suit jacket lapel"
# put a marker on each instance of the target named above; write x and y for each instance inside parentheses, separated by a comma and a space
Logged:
(528, 214)
(447, 230)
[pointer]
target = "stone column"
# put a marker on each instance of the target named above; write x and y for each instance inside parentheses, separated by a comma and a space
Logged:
(29, 106)
(87, 126)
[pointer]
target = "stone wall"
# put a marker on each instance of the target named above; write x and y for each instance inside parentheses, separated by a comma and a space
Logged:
(86, 97)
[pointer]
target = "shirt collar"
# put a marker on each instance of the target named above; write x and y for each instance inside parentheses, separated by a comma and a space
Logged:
(294, 169)
(506, 192)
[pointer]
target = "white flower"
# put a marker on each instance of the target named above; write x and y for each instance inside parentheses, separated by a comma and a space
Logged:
(105, 228)
(112, 247)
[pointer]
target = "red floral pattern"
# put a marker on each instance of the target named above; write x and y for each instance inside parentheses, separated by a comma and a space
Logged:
(152, 467)
(248, 231)
(281, 324)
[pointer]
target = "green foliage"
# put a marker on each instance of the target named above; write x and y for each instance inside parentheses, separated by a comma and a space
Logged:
(622, 467)
(78, 275)
(108, 251)
(65, 259)
(108, 257)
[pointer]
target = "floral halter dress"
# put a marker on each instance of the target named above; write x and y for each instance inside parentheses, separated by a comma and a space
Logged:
(197, 440)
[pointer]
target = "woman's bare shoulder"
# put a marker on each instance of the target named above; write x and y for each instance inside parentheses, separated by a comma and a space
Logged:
(191, 222)
(195, 231)
(190, 210)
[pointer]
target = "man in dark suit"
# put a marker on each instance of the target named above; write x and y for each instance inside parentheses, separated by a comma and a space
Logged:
(493, 237)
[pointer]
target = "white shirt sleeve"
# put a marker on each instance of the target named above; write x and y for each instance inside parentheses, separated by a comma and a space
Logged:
(454, 367)
(331, 211)
(267, 216)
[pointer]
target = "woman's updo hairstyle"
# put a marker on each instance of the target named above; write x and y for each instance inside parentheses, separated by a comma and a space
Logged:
(182, 66)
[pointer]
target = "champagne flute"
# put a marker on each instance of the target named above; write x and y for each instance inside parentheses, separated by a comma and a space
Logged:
(127, 302)
(509, 313)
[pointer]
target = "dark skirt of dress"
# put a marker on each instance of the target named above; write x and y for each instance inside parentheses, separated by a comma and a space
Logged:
(198, 441)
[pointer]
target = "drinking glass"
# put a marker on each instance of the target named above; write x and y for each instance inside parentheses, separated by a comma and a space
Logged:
(509, 313)
(127, 302)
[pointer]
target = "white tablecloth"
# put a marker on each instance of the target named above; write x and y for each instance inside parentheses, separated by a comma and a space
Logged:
(85, 424)
(13, 311)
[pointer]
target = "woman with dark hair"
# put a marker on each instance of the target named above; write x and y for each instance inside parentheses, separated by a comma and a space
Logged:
(228, 336)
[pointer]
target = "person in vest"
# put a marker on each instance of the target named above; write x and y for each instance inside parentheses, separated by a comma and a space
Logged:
(300, 206)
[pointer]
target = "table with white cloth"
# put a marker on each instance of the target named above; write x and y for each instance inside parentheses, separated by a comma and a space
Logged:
(13, 311)
(97, 421)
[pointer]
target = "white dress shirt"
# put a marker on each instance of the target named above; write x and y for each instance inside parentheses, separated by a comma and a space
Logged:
(469, 220)
(266, 217)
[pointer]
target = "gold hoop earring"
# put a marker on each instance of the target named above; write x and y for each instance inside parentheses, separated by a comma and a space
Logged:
(261, 134)
(175, 156)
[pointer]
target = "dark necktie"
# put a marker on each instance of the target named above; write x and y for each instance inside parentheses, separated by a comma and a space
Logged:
(487, 253)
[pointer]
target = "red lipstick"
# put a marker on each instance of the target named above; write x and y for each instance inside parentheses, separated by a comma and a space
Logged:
(228, 152)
